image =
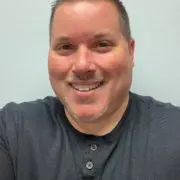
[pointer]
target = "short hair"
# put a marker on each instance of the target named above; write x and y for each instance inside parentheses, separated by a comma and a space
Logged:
(124, 18)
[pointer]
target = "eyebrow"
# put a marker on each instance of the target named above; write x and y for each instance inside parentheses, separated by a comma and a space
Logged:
(61, 39)
(98, 35)
(102, 35)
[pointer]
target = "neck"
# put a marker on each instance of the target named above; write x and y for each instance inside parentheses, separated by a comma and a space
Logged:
(101, 126)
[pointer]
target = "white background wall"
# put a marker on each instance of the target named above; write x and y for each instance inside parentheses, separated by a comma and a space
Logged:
(24, 45)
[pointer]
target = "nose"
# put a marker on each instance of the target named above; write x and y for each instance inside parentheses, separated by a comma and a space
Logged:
(82, 63)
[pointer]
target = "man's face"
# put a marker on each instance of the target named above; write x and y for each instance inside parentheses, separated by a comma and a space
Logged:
(90, 62)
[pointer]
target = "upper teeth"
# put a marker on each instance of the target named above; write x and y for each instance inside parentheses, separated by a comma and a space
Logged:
(85, 87)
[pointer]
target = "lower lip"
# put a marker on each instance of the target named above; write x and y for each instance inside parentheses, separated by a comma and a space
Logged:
(85, 93)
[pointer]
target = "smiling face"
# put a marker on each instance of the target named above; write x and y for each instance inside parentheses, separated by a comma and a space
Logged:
(90, 62)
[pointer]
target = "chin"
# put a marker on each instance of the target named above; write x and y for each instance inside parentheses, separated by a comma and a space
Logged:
(86, 113)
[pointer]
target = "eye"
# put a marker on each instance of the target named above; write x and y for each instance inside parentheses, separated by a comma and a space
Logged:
(64, 49)
(102, 46)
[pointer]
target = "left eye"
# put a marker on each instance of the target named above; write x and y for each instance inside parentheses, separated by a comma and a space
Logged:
(102, 44)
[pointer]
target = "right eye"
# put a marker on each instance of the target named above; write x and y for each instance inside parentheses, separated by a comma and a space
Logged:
(64, 49)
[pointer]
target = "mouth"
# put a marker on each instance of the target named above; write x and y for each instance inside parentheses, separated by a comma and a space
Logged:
(86, 87)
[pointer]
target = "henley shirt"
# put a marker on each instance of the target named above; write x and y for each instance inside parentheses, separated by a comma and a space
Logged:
(37, 142)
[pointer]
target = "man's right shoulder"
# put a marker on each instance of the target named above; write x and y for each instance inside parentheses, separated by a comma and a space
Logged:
(18, 111)
(15, 116)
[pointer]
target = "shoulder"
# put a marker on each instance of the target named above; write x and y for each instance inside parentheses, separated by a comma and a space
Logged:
(30, 108)
(157, 129)
(23, 126)
(156, 107)
(15, 117)
(157, 116)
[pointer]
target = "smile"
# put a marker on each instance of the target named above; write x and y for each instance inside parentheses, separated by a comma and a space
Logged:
(86, 87)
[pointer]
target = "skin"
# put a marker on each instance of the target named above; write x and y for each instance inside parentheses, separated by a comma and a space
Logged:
(87, 47)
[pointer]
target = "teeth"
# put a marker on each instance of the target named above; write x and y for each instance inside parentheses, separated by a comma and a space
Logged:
(85, 87)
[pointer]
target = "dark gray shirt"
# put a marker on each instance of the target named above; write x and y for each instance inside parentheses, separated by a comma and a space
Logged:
(38, 143)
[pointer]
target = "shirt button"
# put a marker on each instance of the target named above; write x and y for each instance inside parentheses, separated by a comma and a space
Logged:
(89, 165)
(93, 147)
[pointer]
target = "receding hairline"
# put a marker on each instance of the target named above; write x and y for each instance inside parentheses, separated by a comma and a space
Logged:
(123, 15)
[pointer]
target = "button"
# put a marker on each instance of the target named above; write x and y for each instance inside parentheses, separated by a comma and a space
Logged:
(93, 147)
(89, 165)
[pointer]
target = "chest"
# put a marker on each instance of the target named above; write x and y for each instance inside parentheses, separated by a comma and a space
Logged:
(132, 157)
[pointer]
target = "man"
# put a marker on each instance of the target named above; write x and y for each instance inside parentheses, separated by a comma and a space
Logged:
(94, 128)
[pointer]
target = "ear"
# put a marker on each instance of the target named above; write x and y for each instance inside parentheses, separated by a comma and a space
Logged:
(131, 45)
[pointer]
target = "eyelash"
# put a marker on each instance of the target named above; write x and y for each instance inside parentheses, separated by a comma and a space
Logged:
(59, 47)
(103, 42)
(96, 46)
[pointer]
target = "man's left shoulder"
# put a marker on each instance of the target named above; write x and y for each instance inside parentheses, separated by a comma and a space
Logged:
(165, 110)
(157, 110)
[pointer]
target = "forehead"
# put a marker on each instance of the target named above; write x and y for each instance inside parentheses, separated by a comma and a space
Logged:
(86, 18)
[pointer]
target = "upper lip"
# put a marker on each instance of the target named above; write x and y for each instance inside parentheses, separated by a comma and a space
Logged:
(84, 82)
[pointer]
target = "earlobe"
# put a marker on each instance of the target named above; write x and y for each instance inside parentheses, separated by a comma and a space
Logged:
(132, 46)
(131, 51)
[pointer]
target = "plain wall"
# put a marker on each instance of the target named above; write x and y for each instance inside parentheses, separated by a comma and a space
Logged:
(24, 47)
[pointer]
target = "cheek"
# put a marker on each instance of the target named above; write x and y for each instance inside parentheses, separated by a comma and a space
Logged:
(58, 66)
(115, 63)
